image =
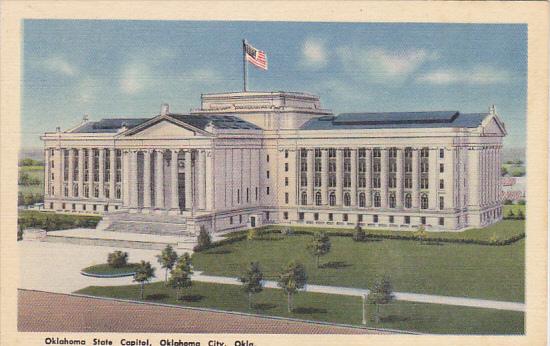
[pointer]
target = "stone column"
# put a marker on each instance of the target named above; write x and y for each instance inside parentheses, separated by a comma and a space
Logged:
(339, 176)
(80, 172)
(174, 197)
(210, 181)
(188, 182)
(159, 179)
(62, 180)
(126, 178)
(133, 179)
(324, 176)
(353, 176)
(101, 173)
(310, 175)
(384, 177)
(449, 177)
(147, 179)
(91, 172)
(368, 177)
(415, 179)
(71, 172)
(201, 181)
(57, 172)
(399, 179)
(47, 174)
(433, 181)
(112, 173)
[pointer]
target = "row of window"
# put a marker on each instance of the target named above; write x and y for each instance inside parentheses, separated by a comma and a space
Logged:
(84, 207)
(362, 218)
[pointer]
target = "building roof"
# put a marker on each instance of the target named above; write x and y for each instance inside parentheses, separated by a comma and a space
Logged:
(440, 119)
(109, 125)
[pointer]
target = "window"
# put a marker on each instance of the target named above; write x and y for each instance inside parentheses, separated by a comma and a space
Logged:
(286, 181)
(408, 182)
(286, 166)
(303, 198)
(301, 216)
(424, 183)
(247, 195)
(441, 168)
(424, 152)
(407, 220)
(377, 200)
(441, 153)
(105, 208)
(424, 201)
(118, 192)
(83, 206)
(408, 200)
(286, 154)
(238, 196)
(362, 200)
(62, 205)
(318, 198)
(285, 215)
(73, 206)
(267, 158)
(347, 199)
(332, 199)
(316, 216)
(441, 184)
(423, 220)
(441, 221)
(441, 203)
(330, 217)
(267, 190)
(256, 190)
(267, 174)
(392, 200)
(359, 217)
(375, 218)
(345, 217)
(94, 207)
(267, 215)
(392, 220)
(286, 197)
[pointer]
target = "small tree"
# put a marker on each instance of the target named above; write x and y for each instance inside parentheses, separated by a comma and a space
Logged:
(503, 171)
(521, 202)
(381, 293)
(358, 233)
(511, 214)
(319, 246)
(252, 281)
(203, 240)
(521, 215)
(252, 234)
(144, 273)
(180, 276)
(421, 234)
(291, 279)
(167, 259)
(20, 232)
(117, 259)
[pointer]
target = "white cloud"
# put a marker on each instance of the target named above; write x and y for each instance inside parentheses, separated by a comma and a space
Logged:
(135, 77)
(87, 90)
(382, 65)
(480, 75)
(314, 53)
(59, 65)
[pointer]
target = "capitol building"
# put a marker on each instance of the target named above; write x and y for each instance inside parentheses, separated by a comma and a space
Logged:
(247, 159)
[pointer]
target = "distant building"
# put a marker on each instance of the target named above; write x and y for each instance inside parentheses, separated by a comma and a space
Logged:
(253, 158)
(513, 188)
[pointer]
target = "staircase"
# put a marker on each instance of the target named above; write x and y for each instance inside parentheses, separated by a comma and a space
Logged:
(169, 225)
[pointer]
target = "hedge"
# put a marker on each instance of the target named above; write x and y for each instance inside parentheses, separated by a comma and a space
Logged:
(52, 222)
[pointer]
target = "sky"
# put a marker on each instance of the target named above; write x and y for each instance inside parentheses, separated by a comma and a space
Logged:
(112, 69)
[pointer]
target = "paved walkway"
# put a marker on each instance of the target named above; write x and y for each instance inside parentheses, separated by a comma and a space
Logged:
(55, 267)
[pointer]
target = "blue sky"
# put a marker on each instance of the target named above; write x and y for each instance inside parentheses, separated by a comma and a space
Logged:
(128, 68)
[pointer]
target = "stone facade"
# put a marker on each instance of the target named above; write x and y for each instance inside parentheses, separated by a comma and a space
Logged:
(256, 158)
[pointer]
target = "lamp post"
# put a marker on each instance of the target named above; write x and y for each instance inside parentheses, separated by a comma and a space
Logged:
(365, 299)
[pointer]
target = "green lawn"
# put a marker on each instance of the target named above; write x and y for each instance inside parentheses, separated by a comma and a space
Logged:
(107, 269)
(463, 270)
(514, 207)
(426, 318)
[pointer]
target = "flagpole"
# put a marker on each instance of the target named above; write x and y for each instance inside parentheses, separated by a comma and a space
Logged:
(244, 66)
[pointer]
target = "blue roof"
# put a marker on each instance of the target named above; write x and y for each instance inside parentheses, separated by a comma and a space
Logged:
(109, 125)
(440, 119)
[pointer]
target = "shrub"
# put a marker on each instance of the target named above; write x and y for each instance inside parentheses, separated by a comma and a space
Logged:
(521, 215)
(358, 234)
(117, 259)
(510, 214)
(521, 202)
(508, 202)
(287, 231)
(204, 241)
(252, 234)
(20, 233)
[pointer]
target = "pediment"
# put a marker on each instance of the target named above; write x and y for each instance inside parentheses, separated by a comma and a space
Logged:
(164, 129)
(494, 127)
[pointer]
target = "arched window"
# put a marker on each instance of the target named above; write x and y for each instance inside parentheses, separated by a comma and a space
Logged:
(332, 199)
(392, 200)
(318, 199)
(376, 199)
(424, 201)
(362, 200)
(304, 198)
(347, 199)
(408, 200)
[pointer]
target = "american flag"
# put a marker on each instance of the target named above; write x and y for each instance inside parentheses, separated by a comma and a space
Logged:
(256, 57)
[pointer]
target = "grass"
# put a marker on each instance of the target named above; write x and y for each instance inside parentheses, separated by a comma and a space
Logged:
(514, 207)
(107, 269)
(426, 318)
(463, 270)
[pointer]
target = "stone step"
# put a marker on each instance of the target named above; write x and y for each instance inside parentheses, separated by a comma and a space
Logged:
(164, 218)
(130, 226)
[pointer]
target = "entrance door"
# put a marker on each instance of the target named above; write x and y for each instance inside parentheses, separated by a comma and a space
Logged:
(252, 221)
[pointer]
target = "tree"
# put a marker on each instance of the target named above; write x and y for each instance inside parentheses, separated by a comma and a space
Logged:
(503, 171)
(180, 276)
(167, 259)
(521, 215)
(117, 259)
(203, 239)
(144, 273)
(319, 246)
(521, 202)
(511, 214)
(358, 233)
(421, 234)
(252, 281)
(381, 293)
(292, 278)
